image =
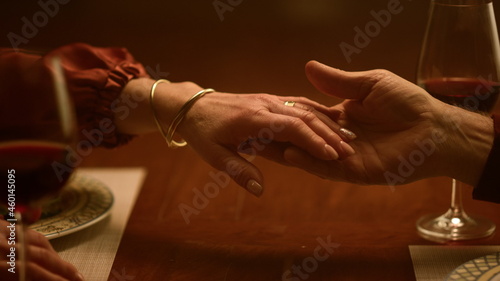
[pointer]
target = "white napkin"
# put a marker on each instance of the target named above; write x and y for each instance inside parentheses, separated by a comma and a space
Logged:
(92, 250)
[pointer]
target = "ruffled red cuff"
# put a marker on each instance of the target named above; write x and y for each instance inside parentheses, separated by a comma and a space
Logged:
(95, 79)
(488, 187)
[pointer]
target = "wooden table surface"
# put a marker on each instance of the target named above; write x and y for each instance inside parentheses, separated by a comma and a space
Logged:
(253, 46)
(234, 236)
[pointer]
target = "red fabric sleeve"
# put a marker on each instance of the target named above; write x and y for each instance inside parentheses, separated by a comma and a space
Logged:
(95, 78)
(488, 187)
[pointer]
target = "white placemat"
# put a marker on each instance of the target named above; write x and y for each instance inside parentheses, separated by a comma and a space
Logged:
(434, 263)
(93, 249)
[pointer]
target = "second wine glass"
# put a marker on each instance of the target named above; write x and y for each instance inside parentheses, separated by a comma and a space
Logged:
(460, 65)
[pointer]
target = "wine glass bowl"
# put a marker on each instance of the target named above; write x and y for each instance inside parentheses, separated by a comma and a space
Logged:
(460, 65)
(461, 41)
(37, 130)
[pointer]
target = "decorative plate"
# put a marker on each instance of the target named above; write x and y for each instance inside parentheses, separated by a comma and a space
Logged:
(83, 202)
(485, 268)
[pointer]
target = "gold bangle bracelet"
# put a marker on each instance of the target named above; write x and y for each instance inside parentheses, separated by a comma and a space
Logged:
(180, 115)
(157, 121)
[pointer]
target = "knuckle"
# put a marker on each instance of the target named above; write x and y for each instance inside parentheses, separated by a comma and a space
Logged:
(331, 135)
(381, 74)
(294, 122)
(307, 108)
(265, 98)
(36, 237)
(374, 78)
(308, 116)
(38, 254)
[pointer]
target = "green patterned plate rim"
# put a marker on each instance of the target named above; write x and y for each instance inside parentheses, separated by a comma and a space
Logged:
(83, 202)
(486, 268)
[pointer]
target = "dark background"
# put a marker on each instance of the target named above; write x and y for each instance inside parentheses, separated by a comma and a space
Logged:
(259, 46)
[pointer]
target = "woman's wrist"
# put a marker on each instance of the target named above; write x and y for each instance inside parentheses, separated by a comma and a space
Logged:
(134, 114)
(468, 139)
(169, 99)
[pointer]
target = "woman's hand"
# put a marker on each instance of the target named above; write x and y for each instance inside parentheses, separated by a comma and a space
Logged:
(404, 134)
(219, 126)
(44, 263)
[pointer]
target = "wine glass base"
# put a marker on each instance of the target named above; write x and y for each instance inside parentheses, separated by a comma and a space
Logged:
(446, 227)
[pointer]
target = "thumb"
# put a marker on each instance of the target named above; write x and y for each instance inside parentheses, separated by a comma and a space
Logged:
(342, 84)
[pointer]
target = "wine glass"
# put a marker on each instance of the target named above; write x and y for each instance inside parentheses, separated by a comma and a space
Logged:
(460, 65)
(37, 129)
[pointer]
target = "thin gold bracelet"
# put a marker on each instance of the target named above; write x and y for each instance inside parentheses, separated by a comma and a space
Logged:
(180, 115)
(170, 142)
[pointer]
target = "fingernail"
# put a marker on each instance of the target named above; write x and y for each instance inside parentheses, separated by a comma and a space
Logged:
(331, 152)
(348, 134)
(255, 188)
(347, 148)
(79, 277)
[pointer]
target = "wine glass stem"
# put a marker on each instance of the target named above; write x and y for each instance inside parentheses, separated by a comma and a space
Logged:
(456, 199)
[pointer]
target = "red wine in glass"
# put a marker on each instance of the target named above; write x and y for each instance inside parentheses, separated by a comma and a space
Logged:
(33, 171)
(474, 94)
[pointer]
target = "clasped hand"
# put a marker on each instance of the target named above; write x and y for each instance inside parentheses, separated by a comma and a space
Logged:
(403, 133)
